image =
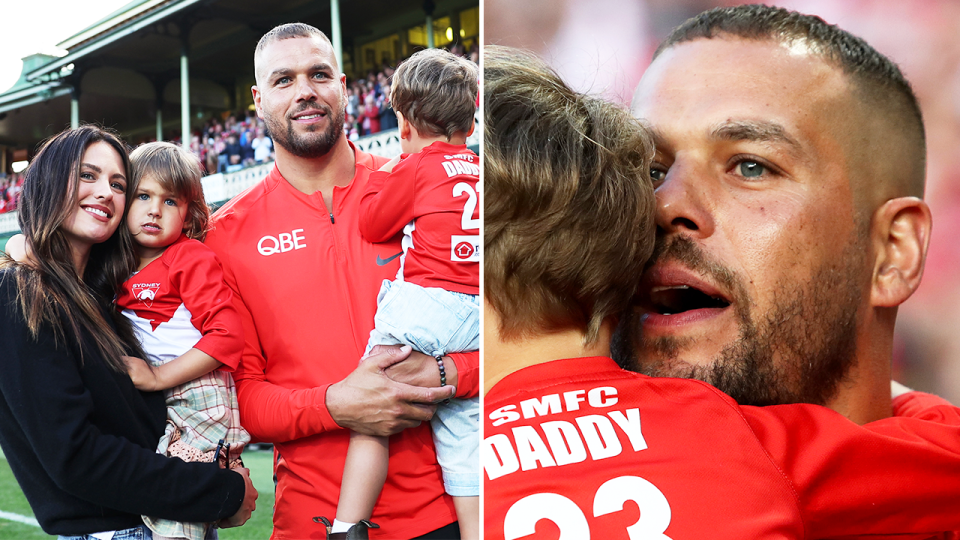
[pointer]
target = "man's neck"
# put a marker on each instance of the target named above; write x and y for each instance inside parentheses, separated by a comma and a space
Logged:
(309, 175)
(864, 393)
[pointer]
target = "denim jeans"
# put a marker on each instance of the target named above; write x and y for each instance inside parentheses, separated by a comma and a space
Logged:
(436, 322)
(134, 533)
(431, 320)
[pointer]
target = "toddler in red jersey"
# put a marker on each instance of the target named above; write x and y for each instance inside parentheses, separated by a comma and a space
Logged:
(576, 447)
(430, 193)
(183, 314)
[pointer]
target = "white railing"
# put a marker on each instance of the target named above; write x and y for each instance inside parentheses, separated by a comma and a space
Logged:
(222, 187)
(8, 223)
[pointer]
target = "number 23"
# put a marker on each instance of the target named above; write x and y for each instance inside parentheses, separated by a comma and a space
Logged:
(522, 517)
(466, 221)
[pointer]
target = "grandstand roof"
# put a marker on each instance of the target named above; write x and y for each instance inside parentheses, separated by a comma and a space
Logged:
(128, 63)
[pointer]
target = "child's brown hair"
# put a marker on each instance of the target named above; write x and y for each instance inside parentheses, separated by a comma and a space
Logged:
(568, 200)
(436, 91)
(177, 171)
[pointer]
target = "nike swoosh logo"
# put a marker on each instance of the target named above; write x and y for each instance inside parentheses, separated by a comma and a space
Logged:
(381, 262)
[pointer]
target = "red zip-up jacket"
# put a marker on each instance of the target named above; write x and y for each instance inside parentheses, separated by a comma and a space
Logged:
(306, 287)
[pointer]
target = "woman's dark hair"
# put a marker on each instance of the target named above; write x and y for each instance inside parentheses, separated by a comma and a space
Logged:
(50, 290)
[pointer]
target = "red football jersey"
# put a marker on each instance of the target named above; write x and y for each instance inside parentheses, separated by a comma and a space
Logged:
(179, 301)
(432, 196)
(579, 449)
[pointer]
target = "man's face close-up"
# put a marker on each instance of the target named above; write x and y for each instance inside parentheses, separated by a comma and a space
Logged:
(761, 259)
(300, 95)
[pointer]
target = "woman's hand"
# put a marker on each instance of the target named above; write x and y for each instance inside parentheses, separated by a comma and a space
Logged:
(142, 374)
(249, 502)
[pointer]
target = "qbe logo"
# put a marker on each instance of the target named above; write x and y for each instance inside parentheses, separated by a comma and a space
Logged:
(465, 248)
(282, 243)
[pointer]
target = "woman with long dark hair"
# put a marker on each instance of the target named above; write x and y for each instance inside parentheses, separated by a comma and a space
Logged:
(79, 437)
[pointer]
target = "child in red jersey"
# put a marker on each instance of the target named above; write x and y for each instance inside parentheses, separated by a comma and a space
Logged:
(429, 193)
(577, 447)
(184, 317)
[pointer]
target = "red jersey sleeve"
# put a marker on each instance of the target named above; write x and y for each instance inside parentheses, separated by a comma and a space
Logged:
(468, 373)
(926, 407)
(196, 273)
(388, 202)
(895, 474)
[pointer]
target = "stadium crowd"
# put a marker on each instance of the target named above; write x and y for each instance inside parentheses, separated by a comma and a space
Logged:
(241, 140)
(10, 192)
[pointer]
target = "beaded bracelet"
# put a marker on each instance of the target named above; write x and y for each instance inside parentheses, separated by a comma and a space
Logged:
(443, 373)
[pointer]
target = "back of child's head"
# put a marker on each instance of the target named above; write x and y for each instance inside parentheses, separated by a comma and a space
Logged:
(177, 171)
(568, 201)
(436, 92)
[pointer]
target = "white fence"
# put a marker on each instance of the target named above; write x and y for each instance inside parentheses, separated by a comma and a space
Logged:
(222, 187)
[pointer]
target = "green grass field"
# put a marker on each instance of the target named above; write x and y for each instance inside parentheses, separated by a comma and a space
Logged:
(257, 528)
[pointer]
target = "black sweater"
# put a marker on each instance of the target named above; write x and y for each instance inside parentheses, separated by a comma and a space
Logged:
(81, 440)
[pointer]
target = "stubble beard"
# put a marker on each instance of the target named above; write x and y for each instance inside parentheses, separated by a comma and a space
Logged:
(800, 351)
(312, 144)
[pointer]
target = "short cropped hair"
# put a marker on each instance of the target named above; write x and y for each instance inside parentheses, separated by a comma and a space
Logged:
(436, 91)
(568, 200)
(877, 80)
(289, 31)
(177, 171)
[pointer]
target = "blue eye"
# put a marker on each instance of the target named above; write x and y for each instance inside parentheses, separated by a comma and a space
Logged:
(143, 197)
(170, 202)
(751, 169)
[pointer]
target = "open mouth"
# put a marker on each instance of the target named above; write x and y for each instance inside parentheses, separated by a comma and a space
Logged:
(674, 299)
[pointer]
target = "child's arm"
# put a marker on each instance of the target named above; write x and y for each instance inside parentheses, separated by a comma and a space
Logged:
(186, 367)
(388, 201)
(197, 274)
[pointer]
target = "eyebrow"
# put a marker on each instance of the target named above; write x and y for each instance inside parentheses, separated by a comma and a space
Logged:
(754, 131)
(99, 170)
(287, 71)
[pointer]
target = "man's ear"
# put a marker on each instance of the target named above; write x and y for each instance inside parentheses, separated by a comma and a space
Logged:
(256, 100)
(901, 236)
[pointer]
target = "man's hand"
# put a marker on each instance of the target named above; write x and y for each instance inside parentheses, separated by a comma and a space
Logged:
(388, 166)
(419, 369)
(369, 402)
(142, 374)
(249, 502)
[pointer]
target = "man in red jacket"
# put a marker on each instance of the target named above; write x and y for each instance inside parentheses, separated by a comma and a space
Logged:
(306, 285)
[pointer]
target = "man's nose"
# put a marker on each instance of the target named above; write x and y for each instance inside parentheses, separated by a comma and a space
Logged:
(305, 89)
(684, 201)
